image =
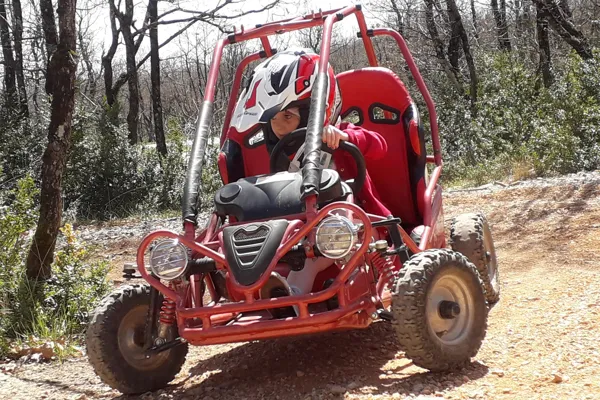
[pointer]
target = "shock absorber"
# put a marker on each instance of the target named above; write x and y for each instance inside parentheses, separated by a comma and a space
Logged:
(167, 312)
(383, 264)
(166, 322)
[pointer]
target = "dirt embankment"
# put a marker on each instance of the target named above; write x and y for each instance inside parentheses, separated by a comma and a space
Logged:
(541, 343)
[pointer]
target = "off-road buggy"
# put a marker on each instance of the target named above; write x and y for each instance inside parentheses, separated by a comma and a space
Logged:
(227, 282)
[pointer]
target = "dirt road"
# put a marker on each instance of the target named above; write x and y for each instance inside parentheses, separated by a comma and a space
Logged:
(541, 343)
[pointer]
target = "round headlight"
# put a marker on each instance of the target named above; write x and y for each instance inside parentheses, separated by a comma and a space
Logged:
(168, 259)
(335, 237)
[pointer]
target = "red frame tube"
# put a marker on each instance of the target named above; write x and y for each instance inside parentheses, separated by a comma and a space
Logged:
(213, 73)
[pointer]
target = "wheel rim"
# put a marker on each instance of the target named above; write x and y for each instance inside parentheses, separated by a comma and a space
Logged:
(130, 337)
(490, 256)
(447, 289)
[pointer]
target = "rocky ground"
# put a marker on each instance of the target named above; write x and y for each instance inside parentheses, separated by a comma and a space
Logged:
(541, 341)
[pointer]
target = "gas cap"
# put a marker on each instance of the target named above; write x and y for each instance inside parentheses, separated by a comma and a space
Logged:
(230, 192)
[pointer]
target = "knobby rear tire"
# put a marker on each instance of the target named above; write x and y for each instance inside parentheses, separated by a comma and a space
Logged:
(470, 235)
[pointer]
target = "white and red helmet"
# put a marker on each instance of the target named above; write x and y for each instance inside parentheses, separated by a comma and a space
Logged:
(284, 80)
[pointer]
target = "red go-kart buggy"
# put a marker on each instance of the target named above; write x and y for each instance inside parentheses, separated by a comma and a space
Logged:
(227, 282)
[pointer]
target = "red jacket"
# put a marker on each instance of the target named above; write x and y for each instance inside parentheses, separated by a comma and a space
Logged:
(373, 147)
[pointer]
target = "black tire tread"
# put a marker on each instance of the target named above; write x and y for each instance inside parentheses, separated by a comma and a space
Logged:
(409, 310)
(466, 237)
(103, 353)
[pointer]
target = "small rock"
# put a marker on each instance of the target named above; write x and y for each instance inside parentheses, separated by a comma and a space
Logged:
(426, 392)
(37, 357)
(498, 372)
(557, 378)
(337, 389)
(506, 391)
(396, 396)
(465, 379)
(353, 385)
(299, 373)
(418, 388)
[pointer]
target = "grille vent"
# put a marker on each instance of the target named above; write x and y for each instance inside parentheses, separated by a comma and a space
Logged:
(248, 243)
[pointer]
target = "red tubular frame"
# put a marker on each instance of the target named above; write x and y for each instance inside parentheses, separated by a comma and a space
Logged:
(354, 310)
(209, 334)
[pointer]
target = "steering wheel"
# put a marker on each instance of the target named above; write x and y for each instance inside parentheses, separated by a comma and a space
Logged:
(298, 136)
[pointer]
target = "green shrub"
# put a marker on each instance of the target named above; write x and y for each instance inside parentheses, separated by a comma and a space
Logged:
(57, 309)
(522, 129)
(108, 178)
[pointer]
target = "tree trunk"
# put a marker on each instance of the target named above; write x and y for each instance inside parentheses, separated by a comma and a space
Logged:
(438, 45)
(566, 29)
(10, 85)
(157, 112)
(126, 20)
(398, 15)
(90, 86)
(454, 44)
(18, 34)
(108, 57)
(456, 22)
(504, 27)
(37, 53)
(501, 27)
(543, 40)
(49, 27)
(564, 6)
(474, 17)
(61, 86)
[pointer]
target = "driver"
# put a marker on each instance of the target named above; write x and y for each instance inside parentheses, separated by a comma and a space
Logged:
(278, 97)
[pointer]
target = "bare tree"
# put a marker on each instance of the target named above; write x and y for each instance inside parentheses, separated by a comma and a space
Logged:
(60, 84)
(126, 20)
(398, 17)
(499, 11)
(440, 48)
(545, 64)
(562, 22)
(18, 36)
(86, 56)
(107, 58)
(311, 38)
(458, 29)
(157, 112)
(474, 18)
(10, 85)
(49, 27)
